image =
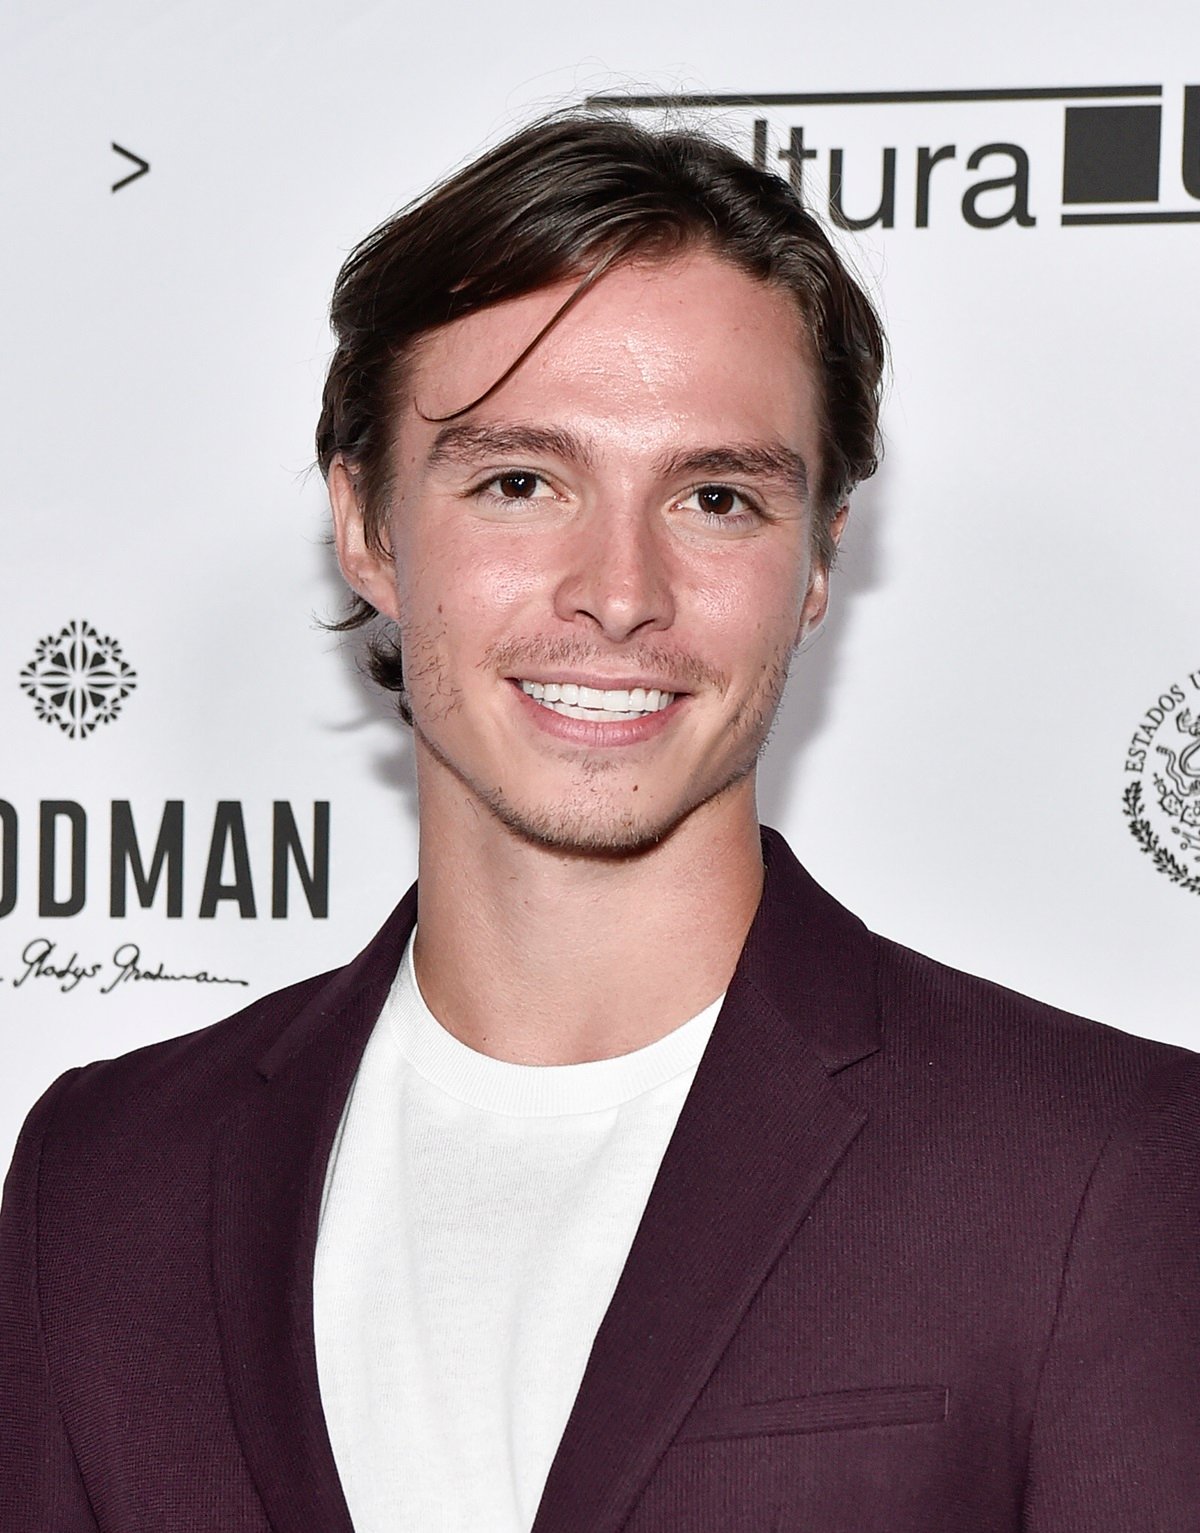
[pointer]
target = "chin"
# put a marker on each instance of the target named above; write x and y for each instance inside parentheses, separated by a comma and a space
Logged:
(585, 835)
(602, 830)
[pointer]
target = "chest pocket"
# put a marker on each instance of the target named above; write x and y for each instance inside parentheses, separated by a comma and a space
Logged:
(841, 1410)
(847, 1461)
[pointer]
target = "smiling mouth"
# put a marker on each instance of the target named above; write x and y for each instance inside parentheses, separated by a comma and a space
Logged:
(594, 704)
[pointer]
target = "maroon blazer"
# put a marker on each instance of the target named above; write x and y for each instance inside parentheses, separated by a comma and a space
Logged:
(923, 1257)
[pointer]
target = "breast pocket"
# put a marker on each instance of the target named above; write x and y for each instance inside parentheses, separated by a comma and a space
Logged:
(844, 1461)
(841, 1410)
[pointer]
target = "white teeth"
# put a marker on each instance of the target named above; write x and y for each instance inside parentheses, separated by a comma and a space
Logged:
(597, 715)
(599, 704)
(592, 697)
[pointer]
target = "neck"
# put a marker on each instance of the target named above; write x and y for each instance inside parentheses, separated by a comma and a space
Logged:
(539, 956)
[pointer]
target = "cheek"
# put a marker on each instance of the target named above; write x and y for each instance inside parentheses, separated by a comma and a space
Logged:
(466, 591)
(502, 581)
(756, 607)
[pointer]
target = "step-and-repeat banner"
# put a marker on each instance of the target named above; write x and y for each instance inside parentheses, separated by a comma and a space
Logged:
(992, 750)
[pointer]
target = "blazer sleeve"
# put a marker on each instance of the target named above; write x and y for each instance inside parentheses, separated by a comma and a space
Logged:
(40, 1484)
(1115, 1442)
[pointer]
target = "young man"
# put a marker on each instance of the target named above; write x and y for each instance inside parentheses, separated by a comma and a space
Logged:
(635, 1185)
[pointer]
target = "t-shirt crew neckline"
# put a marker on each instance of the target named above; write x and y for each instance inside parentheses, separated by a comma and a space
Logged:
(534, 1091)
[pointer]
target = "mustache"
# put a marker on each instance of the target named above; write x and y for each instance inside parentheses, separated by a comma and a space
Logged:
(673, 665)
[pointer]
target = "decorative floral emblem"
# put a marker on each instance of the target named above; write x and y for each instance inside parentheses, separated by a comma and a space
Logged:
(1165, 817)
(77, 679)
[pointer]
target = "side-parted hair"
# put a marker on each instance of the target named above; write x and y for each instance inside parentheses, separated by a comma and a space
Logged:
(568, 198)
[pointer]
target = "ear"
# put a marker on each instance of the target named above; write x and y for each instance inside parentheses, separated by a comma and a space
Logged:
(365, 569)
(816, 600)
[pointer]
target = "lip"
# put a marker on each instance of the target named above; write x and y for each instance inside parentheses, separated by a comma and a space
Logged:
(619, 732)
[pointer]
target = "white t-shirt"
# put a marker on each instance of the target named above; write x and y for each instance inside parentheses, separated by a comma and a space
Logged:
(477, 1216)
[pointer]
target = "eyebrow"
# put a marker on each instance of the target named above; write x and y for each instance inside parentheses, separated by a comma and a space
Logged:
(463, 442)
(466, 442)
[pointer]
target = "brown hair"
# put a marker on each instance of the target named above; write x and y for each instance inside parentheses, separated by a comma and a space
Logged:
(570, 196)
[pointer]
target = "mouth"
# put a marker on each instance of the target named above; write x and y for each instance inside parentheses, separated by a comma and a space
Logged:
(595, 704)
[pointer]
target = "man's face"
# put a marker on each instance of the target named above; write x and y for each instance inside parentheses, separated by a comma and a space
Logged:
(601, 571)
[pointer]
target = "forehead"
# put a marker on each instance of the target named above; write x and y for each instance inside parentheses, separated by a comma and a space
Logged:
(691, 347)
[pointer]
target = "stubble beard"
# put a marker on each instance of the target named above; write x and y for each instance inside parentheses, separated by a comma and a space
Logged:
(589, 823)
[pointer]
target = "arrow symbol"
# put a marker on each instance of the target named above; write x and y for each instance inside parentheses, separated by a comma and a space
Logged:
(142, 167)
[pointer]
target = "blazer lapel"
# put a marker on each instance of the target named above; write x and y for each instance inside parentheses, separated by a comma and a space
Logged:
(269, 1166)
(761, 1132)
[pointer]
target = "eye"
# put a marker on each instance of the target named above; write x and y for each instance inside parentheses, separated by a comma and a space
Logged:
(517, 484)
(720, 503)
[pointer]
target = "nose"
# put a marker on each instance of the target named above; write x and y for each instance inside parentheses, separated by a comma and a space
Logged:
(617, 578)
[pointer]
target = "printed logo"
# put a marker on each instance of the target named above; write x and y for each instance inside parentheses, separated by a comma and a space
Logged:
(1080, 154)
(77, 680)
(1162, 804)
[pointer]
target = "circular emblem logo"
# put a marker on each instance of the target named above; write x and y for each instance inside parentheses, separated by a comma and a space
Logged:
(78, 679)
(1162, 791)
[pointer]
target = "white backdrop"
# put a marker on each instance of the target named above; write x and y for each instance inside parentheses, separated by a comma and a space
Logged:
(1018, 586)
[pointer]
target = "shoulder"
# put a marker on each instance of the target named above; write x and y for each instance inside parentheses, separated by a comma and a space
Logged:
(929, 1031)
(137, 1130)
(173, 1091)
(206, 1057)
(174, 1084)
(1016, 1063)
(926, 997)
